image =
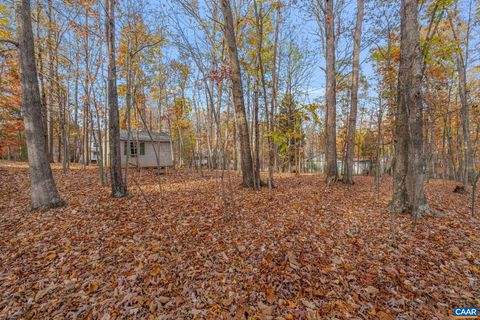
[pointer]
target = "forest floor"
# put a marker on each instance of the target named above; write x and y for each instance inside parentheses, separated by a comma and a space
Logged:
(313, 252)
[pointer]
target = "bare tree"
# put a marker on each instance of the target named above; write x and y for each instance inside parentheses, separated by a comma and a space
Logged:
(461, 59)
(118, 187)
(352, 119)
(268, 113)
(51, 73)
(44, 193)
(237, 90)
(331, 114)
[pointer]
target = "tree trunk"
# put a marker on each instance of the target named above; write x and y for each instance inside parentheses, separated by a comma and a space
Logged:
(118, 187)
(75, 114)
(452, 172)
(459, 145)
(128, 102)
(270, 113)
(39, 61)
(246, 154)
(256, 129)
(64, 128)
(98, 141)
(409, 165)
(261, 69)
(44, 193)
(331, 114)
(462, 84)
(86, 103)
(352, 119)
(51, 75)
(461, 62)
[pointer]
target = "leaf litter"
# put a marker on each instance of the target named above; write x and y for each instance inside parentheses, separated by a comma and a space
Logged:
(313, 252)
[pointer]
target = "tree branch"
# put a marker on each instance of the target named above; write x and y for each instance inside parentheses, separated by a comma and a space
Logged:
(9, 41)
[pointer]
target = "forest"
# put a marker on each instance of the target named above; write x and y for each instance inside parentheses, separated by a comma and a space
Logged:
(239, 159)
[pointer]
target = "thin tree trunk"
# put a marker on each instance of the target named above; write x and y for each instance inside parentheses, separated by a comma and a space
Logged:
(64, 126)
(59, 94)
(452, 171)
(268, 115)
(51, 74)
(98, 142)
(43, 97)
(155, 151)
(462, 84)
(198, 148)
(118, 187)
(86, 103)
(63, 109)
(44, 193)
(461, 62)
(128, 100)
(460, 171)
(256, 131)
(75, 114)
(352, 119)
(378, 173)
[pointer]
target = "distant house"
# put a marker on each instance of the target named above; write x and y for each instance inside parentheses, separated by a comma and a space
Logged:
(318, 164)
(200, 161)
(94, 152)
(143, 146)
(361, 166)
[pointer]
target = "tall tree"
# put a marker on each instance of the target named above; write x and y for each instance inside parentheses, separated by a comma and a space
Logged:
(461, 59)
(51, 81)
(352, 119)
(409, 163)
(44, 193)
(259, 22)
(86, 100)
(238, 99)
(331, 114)
(118, 187)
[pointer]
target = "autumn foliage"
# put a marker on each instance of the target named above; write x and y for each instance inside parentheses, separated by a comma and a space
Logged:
(315, 252)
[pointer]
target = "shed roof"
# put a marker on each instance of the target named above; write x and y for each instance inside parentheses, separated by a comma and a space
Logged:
(144, 135)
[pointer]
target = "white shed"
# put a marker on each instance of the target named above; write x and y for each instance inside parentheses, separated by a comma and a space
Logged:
(143, 146)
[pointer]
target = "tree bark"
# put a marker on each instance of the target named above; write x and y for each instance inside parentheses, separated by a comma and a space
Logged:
(268, 115)
(118, 187)
(352, 119)
(409, 165)
(459, 144)
(462, 84)
(331, 114)
(75, 113)
(246, 154)
(461, 62)
(86, 102)
(378, 169)
(452, 172)
(256, 129)
(44, 193)
(51, 74)
(39, 61)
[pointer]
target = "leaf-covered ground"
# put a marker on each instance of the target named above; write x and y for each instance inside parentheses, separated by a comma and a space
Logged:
(313, 252)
